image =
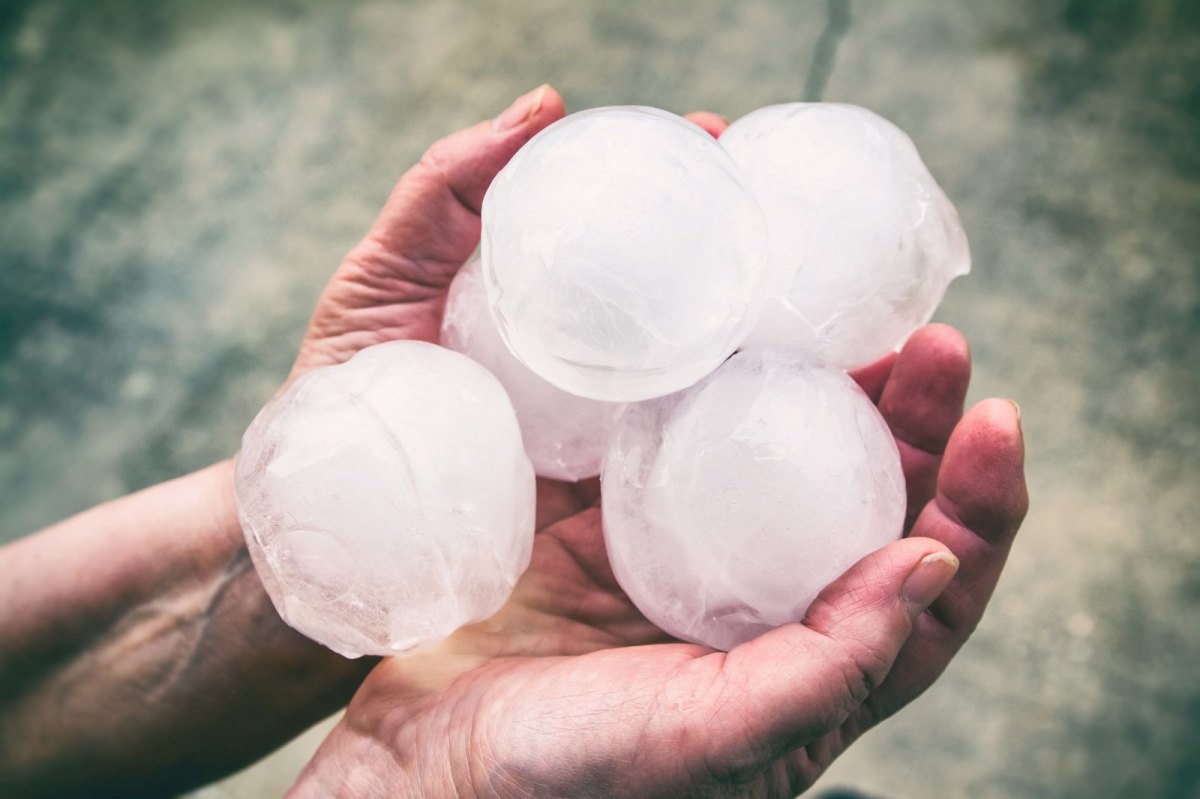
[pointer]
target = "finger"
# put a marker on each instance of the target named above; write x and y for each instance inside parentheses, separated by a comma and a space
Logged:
(873, 377)
(558, 499)
(588, 492)
(797, 682)
(981, 500)
(922, 401)
(582, 537)
(980, 503)
(715, 124)
(430, 224)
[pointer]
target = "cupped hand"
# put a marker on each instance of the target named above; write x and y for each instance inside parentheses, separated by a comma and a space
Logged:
(392, 285)
(569, 690)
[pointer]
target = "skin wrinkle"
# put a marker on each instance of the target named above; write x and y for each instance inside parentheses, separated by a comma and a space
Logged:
(237, 569)
(962, 591)
(375, 255)
(577, 613)
(907, 437)
(594, 776)
(434, 161)
(90, 631)
(154, 624)
(389, 744)
(340, 346)
(475, 752)
(751, 760)
(393, 275)
(161, 636)
(345, 775)
(371, 299)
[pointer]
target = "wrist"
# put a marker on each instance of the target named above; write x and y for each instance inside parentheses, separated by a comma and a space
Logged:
(144, 615)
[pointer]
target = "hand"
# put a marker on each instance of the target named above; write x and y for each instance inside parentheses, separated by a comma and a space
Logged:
(570, 691)
(392, 285)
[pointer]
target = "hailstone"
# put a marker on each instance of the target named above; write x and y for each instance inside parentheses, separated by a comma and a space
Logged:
(863, 241)
(623, 256)
(565, 435)
(729, 506)
(387, 501)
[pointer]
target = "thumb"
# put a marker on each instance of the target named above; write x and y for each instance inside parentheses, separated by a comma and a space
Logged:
(430, 223)
(796, 683)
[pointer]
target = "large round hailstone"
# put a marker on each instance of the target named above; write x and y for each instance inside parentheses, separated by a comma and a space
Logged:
(565, 435)
(622, 254)
(729, 506)
(863, 241)
(387, 501)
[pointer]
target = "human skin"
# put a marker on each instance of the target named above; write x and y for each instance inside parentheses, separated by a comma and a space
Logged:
(139, 654)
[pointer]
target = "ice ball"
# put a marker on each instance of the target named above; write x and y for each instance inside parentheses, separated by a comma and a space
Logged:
(863, 241)
(623, 256)
(565, 435)
(729, 506)
(387, 501)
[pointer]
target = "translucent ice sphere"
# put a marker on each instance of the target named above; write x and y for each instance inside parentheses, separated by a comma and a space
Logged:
(387, 501)
(729, 506)
(863, 242)
(622, 254)
(565, 435)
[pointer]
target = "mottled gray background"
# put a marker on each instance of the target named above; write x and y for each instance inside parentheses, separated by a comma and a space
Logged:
(177, 180)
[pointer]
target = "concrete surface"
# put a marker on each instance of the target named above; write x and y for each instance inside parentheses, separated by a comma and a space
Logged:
(178, 179)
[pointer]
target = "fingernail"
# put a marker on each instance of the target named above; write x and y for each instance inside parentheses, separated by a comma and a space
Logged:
(522, 109)
(927, 581)
(1017, 408)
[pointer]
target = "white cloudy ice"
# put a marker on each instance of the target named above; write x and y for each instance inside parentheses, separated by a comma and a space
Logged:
(728, 506)
(863, 241)
(387, 501)
(565, 435)
(622, 253)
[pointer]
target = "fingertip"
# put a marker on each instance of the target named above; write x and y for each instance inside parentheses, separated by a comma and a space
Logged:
(925, 392)
(552, 108)
(870, 586)
(714, 124)
(874, 376)
(982, 481)
(996, 423)
(465, 162)
(528, 115)
(531, 111)
(927, 580)
(945, 341)
(1017, 408)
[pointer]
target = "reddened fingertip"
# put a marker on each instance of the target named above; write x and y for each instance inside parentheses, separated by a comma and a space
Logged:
(523, 109)
(1017, 409)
